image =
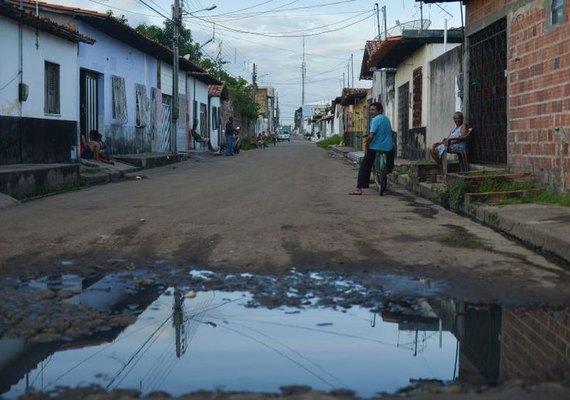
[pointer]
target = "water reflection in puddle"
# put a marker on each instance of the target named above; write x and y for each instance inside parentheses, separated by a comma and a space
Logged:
(212, 340)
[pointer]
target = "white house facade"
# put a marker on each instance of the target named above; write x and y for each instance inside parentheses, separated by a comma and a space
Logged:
(38, 89)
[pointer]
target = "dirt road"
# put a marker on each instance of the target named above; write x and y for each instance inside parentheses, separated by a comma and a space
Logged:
(267, 211)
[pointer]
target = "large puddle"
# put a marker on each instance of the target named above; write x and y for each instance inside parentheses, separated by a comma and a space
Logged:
(185, 340)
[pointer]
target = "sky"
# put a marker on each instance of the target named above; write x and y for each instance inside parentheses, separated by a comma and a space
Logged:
(270, 34)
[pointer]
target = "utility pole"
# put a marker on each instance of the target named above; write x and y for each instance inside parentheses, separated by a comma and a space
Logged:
(219, 60)
(384, 20)
(421, 15)
(352, 68)
(303, 67)
(254, 83)
(175, 44)
(378, 19)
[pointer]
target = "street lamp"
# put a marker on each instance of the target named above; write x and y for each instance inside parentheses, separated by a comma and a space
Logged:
(209, 8)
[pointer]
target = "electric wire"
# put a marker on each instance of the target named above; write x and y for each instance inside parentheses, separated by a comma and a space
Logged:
(153, 9)
(125, 10)
(284, 35)
(292, 350)
(299, 8)
(281, 353)
(254, 15)
(93, 355)
(129, 361)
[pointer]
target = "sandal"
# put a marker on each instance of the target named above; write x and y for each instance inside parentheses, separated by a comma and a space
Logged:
(354, 193)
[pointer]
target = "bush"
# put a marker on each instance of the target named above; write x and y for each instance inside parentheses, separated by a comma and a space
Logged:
(453, 194)
(328, 142)
(246, 144)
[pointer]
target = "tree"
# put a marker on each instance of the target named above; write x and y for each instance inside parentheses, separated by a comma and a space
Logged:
(164, 36)
(240, 91)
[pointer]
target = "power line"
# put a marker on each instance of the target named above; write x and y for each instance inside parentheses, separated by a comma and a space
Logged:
(153, 9)
(289, 36)
(298, 8)
(101, 3)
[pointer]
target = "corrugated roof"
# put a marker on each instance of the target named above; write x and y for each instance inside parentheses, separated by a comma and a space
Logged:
(41, 23)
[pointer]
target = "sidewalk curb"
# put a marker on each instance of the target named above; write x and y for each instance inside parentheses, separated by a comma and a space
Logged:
(543, 227)
(539, 233)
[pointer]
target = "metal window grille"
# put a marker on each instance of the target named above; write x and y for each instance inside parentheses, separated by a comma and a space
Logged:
(119, 99)
(204, 121)
(52, 88)
(403, 119)
(417, 98)
(488, 94)
(142, 108)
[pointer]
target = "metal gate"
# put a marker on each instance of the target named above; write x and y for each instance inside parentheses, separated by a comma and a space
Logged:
(164, 127)
(403, 119)
(417, 98)
(88, 99)
(488, 94)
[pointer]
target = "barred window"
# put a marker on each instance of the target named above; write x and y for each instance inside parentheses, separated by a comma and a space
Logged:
(141, 106)
(204, 120)
(51, 105)
(215, 118)
(556, 12)
(119, 99)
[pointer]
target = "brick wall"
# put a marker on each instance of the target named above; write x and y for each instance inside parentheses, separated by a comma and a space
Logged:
(538, 65)
(535, 345)
(479, 9)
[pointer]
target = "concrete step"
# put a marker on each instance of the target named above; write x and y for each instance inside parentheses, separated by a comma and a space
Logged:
(23, 181)
(148, 160)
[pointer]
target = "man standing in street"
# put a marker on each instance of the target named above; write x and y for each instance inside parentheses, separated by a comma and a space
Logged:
(230, 137)
(379, 139)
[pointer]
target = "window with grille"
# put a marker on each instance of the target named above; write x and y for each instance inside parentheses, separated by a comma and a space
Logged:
(141, 105)
(204, 120)
(51, 88)
(417, 98)
(556, 12)
(119, 99)
(215, 118)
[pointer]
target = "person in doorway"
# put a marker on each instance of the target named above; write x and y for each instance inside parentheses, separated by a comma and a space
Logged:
(439, 148)
(230, 131)
(379, 139)
(99, 149)
(84, 148)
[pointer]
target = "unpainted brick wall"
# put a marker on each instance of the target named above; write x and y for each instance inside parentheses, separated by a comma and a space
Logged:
(535, 345)
(538, 65)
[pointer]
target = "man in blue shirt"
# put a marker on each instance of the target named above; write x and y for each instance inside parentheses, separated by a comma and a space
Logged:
(379, 139)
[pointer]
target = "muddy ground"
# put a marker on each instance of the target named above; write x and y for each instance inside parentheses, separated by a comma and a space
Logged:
(281, 215)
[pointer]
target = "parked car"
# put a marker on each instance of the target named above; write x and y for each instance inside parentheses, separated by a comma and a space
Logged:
(283, 136)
